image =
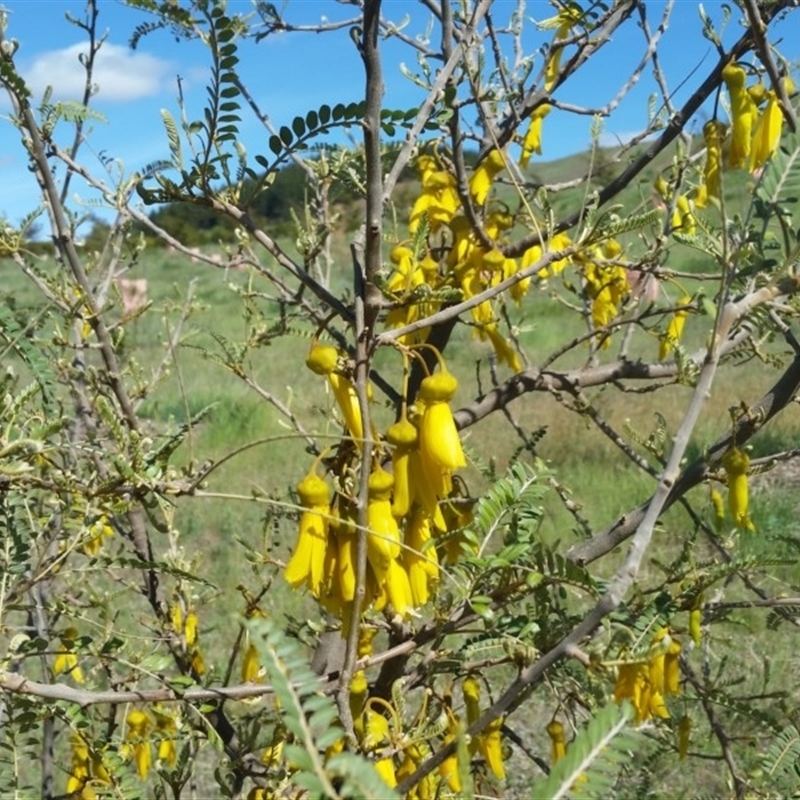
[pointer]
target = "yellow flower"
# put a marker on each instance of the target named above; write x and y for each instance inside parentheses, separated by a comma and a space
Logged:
(674, 329)
(66, 662)
(190, 628)
(98, 531)
(743, 113)
(555, 730)
(307, 563)
(682, 217)
(767, 134)
(398, 588)
(166, 728)
(492, 748)
(737, 463)
(439, 199)
(421, 562)
(79, 775)
(251, 667)
(564, 21)
(448, 769)
(713, 133)
(533, 138)
(383, 538)
(324, 360)
(138, 737)
(404, 438)
(481, 181)
(439, 441)
(719, 509)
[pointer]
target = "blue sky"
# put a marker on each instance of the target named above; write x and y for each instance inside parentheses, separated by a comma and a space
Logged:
(292, 73)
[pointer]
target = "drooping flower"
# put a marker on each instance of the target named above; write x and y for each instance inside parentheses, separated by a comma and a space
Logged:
(420, 560)
(718, 504)
(439, 198)
(737, 464)
(767, 133)
(682, 217)
(481, 181)
(79, 772)
(166, 729)
(404, 438)
(66, 661)
(532, 143)
(448, 769)
(383, 538)
(490, 741)
(569, 16)
(743, 114)
(713, 133)
(439, 440)
(672, 336)
(324, 360)
(555, 730)
(138, 742)
(99, 531)
(307, 564)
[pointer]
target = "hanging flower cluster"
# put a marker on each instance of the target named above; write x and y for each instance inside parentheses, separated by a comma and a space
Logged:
(86, 768)
(406, 524)
(606, 285)
(488, 743)
(646, 682)
(754, 137)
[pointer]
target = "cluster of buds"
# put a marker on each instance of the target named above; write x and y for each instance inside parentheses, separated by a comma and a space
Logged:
(646, 682)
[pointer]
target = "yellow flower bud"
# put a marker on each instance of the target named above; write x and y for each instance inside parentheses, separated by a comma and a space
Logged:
(737, 463)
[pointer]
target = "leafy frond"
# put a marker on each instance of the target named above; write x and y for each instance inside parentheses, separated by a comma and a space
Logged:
(783, 753)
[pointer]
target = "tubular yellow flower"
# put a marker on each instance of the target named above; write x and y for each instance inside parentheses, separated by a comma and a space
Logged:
(324, 360)
(404, 438)
(719, 509)
(564, 21)
(491, 744)
(674, 329)
(383, 538)
(532, 142)
(376, 734)
(166, 728)
(66, 661)
(139, 726)
(421, 562)
(448, 769)
(737, 463)
(713, 133)
(307, 564)
(250, 665)
(682, 218)
(555, 730)
(399, 589)
(481, 181)
(99, 531)
(79, 768)
(439, 442)
(743, 113)
(767, 133)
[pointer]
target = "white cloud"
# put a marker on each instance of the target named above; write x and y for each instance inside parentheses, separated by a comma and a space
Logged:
(119, 73)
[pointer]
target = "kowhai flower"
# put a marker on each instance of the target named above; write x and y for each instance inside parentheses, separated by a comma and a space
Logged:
(532, 143)
(383, 538)
(674, 330)
(138, 741)
(737, 464)
(66, 661)
(481, 181)
(307, 564)
(713, 133)
(555, 730)
(767, 133)
(743, 115)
